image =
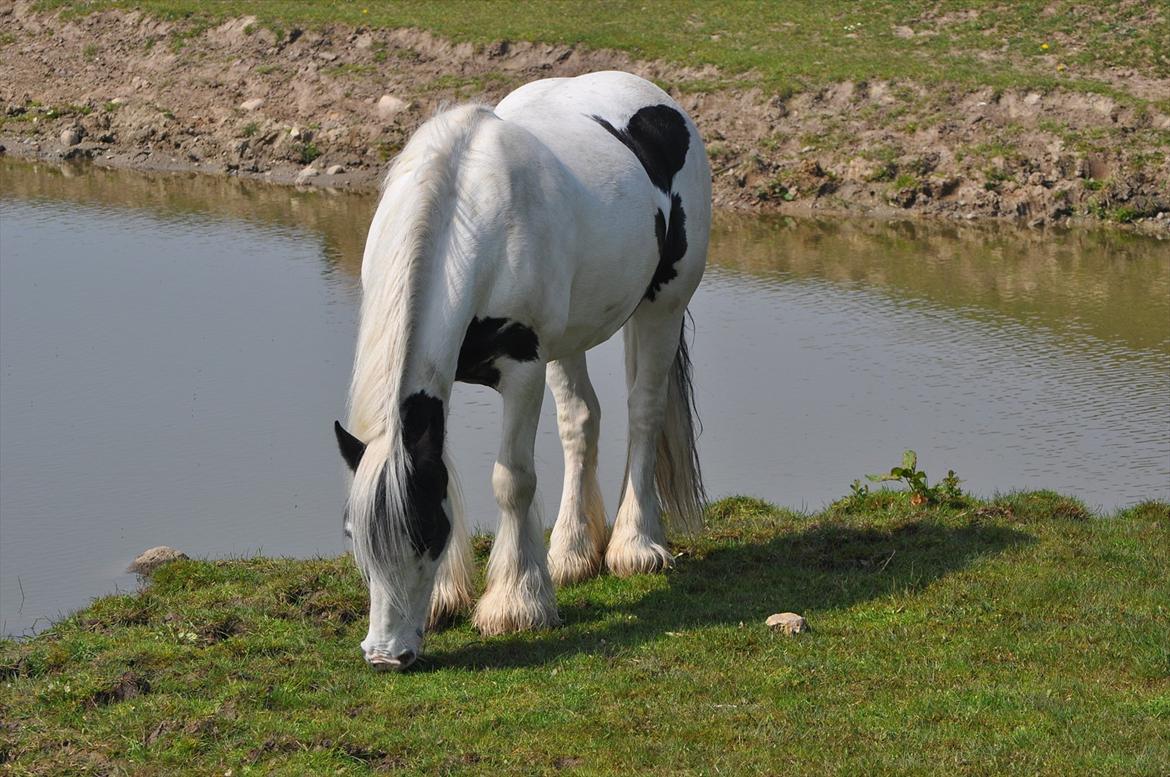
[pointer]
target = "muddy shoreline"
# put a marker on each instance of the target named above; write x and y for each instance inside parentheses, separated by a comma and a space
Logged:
(329, 107)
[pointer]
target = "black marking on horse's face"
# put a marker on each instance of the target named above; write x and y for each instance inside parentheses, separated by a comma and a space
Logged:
(426, 486)
(672, 245)
(658, 136)
(488, 339)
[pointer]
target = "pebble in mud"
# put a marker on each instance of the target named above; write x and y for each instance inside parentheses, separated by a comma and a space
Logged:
(389, 105)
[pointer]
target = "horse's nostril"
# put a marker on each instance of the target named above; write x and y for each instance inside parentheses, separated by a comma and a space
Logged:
(405, 659)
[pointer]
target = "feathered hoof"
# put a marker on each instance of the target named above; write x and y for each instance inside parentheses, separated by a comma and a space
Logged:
(502, 611)
(569, 568)
(445, 609)
(638, 557)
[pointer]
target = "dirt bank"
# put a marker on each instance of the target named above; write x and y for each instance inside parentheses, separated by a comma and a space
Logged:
(330, 107)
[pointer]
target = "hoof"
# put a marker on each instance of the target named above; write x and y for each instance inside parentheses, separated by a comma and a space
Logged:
(637, 558)
(571, 568)
(504, 612)
(445, 609)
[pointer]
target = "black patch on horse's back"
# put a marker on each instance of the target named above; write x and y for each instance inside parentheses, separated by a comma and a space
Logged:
(658, 136)
(672, 245)
(426, 486)
(488, 339)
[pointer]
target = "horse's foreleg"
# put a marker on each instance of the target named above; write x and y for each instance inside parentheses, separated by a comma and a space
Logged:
(638, 543)
(578, 538)
(519, 593)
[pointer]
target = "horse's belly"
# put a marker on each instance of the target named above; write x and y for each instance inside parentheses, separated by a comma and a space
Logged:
(610, 283)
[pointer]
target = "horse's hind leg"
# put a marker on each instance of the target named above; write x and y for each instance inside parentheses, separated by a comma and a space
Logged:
(519, 593)
(578, 538)
(638, 543)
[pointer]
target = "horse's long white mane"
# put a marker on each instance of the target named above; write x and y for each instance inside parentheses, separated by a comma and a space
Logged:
(418, 201)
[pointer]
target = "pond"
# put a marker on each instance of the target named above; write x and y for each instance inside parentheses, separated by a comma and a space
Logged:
(174, 349)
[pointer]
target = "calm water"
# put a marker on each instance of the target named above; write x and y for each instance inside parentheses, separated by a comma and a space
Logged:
(173, 352)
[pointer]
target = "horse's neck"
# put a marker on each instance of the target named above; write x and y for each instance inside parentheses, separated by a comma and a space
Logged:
(420, 276)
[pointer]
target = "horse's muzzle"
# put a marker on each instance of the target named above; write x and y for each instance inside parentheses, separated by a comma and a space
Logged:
(383, 662)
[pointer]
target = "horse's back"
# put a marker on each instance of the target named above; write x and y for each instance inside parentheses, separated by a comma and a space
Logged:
(571, 116)
(636, 186)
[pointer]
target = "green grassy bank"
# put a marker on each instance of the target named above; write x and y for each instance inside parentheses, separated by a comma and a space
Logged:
(780, 46)
(1016, 636)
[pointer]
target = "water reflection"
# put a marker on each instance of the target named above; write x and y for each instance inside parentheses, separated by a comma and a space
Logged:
(174, 349)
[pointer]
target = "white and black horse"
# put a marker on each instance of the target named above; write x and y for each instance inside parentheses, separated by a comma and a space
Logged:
(506, 244)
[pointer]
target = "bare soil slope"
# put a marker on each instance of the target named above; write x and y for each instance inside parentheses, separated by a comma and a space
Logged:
(331, 106)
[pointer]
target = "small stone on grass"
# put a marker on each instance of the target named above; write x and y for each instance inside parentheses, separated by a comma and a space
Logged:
(787, 622)
(150, 560)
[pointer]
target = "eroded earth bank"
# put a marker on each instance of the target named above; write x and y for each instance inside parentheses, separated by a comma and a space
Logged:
(331, 106)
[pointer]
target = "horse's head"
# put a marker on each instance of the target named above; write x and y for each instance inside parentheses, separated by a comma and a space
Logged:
(398, 519)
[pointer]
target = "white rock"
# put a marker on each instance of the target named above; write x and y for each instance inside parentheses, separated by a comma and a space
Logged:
(787, 622)
(389, 105)
(305, 174)
(252, 105)
(150, 560)
(335, 170)
(71, 136)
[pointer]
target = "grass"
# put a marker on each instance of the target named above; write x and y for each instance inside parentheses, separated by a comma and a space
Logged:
(781, 46)
(1016, 636)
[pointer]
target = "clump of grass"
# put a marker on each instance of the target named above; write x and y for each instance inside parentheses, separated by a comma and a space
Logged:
(308, 152)
(905, 181)
(348, 69)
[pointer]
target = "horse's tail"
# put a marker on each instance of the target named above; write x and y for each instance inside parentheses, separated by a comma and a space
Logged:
(677, 473)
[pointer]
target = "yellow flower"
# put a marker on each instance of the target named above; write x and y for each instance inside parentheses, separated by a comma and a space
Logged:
(1044, 46)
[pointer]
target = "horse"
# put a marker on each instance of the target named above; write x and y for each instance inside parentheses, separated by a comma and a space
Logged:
(506, 243)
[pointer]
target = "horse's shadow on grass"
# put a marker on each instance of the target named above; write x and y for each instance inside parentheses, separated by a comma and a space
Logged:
(823, 567)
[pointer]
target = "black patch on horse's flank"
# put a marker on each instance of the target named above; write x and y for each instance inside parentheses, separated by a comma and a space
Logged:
(658, 136)
(672, 245)
(426, 486)
(488, 339)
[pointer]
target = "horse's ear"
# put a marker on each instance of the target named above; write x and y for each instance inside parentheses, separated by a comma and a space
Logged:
(351, 447)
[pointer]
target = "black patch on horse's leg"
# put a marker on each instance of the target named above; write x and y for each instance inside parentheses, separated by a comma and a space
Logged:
(488, 339)
(658, 136)
(426, 487)
(672, 245)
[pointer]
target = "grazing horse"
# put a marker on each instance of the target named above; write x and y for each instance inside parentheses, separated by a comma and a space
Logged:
(506, 244)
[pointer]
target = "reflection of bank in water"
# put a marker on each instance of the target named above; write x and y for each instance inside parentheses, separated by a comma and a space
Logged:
(1103, 283)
